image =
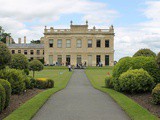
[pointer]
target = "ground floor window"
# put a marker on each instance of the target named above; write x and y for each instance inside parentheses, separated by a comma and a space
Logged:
(68, 60)
(79, 59)
(50, 59)
(13, 51)
(106, 59)
(98, 59)
(59, 59)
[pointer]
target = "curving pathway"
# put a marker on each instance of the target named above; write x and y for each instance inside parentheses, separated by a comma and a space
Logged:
(80, 101)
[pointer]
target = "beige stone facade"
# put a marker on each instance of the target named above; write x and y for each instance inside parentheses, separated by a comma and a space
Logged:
(79, 45)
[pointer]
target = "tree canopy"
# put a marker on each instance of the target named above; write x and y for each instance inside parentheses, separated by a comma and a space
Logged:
(145, 52)
(3, 35)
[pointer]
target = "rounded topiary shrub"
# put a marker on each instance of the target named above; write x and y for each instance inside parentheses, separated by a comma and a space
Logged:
(27, 82)
(156, 94)
(145, 52)
(2, 98)
(7, 87)
(135, 81)
(16, 79)
(109, 82)
(41, 83)
(50, 83)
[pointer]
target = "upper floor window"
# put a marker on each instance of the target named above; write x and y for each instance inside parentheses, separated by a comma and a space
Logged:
(31, 52)
(89, 43)
(79, 43)
(25, 52)
(98, 44)
(13, 51)
(19, 51)
(38, 52)
(106, 43)
(50, 43)
(59, 43)
(68, 43)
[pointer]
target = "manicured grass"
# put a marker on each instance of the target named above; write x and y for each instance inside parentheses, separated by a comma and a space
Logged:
(29, 109)
(134, 110)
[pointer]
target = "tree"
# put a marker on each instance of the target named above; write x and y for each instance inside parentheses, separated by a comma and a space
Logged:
(35, 41)
(158, 59)
(5, 55)
(145, 52)
(35, 65)
(19, 61)
(3, 35)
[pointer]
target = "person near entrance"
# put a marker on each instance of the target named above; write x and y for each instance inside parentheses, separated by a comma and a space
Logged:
(69, 67)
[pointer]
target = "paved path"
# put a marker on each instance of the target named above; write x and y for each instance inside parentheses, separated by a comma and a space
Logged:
(80, 101)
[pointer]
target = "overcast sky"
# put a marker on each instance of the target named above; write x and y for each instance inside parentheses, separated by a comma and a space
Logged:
(136, 22)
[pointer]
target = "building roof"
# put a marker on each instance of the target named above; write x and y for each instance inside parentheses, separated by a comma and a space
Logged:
(26, 46)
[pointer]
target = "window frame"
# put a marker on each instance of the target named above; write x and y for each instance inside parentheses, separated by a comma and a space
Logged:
(68, 45)
(98, 45)
(79, 44)
(89, 44)
(59, 43)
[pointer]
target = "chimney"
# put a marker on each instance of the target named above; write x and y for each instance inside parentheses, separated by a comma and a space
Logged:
(7, 39)
(19, 40)
(10, 40)
(24, 39)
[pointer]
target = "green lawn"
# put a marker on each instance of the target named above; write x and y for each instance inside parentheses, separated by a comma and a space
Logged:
(134, 110)
(29, 109)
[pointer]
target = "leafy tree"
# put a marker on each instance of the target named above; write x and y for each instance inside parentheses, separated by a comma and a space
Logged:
(19, 61)
(3, 35)
(35, 65)
(158, 59)
(145, 52)
(5, 55)
(35, 41)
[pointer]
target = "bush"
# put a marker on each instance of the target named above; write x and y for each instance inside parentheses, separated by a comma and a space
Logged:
(145, 52)
(135, 81)
(26, 71)
(158, 60)
(27, 82)
(109, 82)
(7, 87)
(5, 55)
(15, 78)
(43, 83)
(2, 98)
(156, 94)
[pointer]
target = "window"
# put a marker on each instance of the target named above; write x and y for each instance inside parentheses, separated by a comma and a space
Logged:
(106, 43)
(59, 59)
(79, 43)
(68, 60)
(89, 43)
(31, 52)
(98, 43)
(38, 52)
(50, 43)
(25, 52)
(106, 59)
(13, 51)
(79, 59)
(98, 59)
(59, 43)
(19, 51)
(68, 43)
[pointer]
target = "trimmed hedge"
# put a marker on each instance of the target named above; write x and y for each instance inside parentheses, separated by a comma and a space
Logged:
(109, 82)
(15, 78)
(43, 83)
(156, 94)
(135, 81)
(8, 90)
(2, 98)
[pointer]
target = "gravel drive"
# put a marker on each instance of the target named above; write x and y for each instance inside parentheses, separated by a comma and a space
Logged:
(80, 101)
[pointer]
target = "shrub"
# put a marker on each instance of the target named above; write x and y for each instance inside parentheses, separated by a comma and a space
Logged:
(19, 61)
(50, 83)
(26, 71)
(35, 65)
(145, 52)
(156, 94)
(2, 98)
(109, 82)
(16, 79)
(5, 55)
(7, 87)
(43, 83)
(135, 81)
(158, 60)
(27, 82)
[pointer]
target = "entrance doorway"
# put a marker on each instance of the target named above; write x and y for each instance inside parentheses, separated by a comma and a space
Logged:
(68, 60)
(50, 59)
(89, 60)
(98, 59)
(107, 60)
(59, 60)
(79, 59)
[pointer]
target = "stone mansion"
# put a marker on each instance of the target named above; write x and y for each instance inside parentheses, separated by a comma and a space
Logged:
(77, 45)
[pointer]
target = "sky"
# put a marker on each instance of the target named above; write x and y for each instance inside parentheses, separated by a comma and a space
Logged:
(136, 22)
